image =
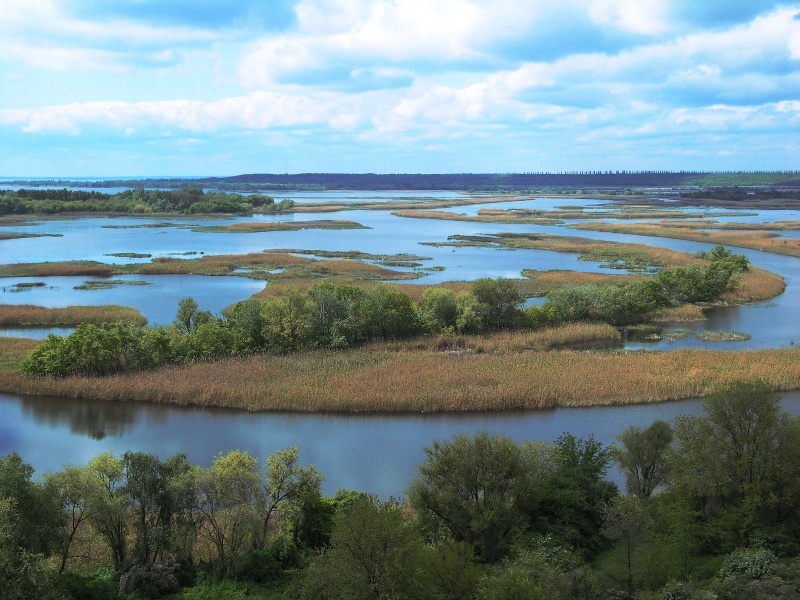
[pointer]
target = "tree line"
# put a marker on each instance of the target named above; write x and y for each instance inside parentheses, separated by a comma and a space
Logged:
(710, 512)
(186, 200)
(328, 316)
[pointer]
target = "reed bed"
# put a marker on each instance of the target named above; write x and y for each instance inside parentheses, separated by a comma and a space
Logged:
(546, 281)
(500, 216)
(685, 313)
(370, 380)
(13, 350)
(86, 268)
(27, 315)
(249, 227)
(754, 285)
(733, 226)
(765, 241)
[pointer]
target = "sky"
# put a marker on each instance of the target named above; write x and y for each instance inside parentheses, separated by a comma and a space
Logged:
(129, 88)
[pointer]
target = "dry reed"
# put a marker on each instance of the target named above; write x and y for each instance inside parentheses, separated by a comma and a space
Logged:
(249, 227)
(27, 315)
(384, 380)
(755, 240)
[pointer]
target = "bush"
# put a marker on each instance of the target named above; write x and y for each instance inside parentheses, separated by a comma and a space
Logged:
(152, 580)
(752, 563)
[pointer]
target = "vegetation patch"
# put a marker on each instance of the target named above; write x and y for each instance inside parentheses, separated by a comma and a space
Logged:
(635, 256)
(105, 284)
(129, 255)
(260, 227)
(754, 239)
(27, 315)
(383, 378)
(722, 336)
(17, 236)
(354, 255)
(149, 226)
(24, 286)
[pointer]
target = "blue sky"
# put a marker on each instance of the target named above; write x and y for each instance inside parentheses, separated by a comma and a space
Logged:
(222, 87)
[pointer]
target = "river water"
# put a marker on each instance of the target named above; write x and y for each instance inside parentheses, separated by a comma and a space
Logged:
(377, 454)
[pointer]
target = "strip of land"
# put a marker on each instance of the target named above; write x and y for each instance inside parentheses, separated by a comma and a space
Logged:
(743, 236)
(27, 315)
(477, 374)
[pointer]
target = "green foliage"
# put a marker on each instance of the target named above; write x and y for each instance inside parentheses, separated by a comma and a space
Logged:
(643, 456)
(501, 302)
(741, 461)
(472, 487)
(375, 553)
(753, 563)
(438, 309)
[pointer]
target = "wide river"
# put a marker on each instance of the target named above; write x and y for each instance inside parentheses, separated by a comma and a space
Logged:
(377, 454)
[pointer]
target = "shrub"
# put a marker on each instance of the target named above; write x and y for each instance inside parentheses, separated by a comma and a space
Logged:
(752, 563)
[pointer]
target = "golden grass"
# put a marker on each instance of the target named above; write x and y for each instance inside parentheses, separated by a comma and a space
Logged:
(250, 227)
(13, 350)
(498, 216)
(421, 202)
(685, 313)
(27, 315)
(53, 269)
(389, 380)
(543, 282)
(755, 240)
(753, 285)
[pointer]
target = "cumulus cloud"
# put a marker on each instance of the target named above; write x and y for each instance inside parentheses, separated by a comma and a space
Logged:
(404, 70)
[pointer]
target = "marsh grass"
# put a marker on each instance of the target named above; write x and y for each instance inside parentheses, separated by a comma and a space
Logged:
(55, 269)
(547, 281)
(685, 313)
(722, 336)
(17, 236)
(27, 315)
(765, 241)
(250, 227)
(381, 379)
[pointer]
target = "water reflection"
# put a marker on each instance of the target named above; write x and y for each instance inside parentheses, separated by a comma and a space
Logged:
(94, 419)
(375, 453)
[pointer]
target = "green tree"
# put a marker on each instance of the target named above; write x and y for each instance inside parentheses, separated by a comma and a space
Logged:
(288, 486)
(109, 516)
(74, 487)
(438, 309)
(230, 504)
(375, 554)
(186, 319)
(743, 458)
(502, 300)
(643, 457)
(472, 486)
(288, 322)
(388, 314)
(626, 519)
(36, 510)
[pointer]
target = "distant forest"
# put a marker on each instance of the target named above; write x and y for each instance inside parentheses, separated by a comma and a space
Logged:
(474, 182)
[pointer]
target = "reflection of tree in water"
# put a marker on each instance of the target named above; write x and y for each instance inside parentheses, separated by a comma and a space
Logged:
(94, 418)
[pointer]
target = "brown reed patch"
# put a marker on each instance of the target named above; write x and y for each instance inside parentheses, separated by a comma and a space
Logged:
(87, 268)
(374, 380)
(13, 350)
(685, 313)
(483, 216)
(765, 241)
(250, 227)
(547, 281)
(753, 285)
(28, 315)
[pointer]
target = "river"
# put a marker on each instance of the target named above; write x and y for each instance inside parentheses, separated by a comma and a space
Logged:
(378, 454)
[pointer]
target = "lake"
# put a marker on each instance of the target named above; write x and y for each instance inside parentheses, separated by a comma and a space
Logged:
(377, 453)
(373, 453)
